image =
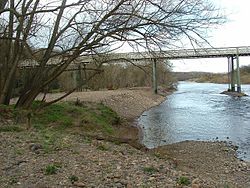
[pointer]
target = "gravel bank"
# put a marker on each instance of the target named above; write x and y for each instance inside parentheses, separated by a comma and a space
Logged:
(128, 103)
(105, 164)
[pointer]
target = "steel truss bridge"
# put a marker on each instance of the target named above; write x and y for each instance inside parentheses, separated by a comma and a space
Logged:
(174, 54)
(232, 53)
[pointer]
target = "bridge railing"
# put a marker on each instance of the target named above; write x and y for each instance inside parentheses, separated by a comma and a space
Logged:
(169, 54)
(187, 53)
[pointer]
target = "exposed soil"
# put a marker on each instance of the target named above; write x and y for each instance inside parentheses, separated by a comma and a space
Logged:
(80, 161)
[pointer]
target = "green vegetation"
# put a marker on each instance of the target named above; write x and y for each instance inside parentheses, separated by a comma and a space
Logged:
(10, 128)
(6, 113)
(102, 148)
(54, 122)
(90, 117)
(56, 113)
(184, 181)
(73, 179)
(13, 180)
(158, 155)
(51, 169)
(150, 170)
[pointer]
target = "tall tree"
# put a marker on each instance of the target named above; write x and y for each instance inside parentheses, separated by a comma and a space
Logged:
(59, 32)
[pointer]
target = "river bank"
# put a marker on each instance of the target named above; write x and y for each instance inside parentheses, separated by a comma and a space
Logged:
(193, 156)
(81, 161)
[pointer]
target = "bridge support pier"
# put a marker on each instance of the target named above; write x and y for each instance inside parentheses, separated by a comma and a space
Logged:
(234, 74)
(155, 87)
(231, 73)
(238, 72)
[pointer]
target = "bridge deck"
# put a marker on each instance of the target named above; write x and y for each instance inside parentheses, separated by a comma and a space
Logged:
(187, 53)
(169, 54)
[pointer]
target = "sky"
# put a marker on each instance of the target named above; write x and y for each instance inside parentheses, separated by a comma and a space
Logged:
(236, 32)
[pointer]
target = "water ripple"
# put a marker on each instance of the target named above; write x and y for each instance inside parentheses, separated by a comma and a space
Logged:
(198, 112)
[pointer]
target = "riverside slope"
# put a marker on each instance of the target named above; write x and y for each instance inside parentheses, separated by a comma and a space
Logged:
(105, 164)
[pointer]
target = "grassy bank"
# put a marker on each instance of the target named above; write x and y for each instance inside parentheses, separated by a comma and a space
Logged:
(87, 119)
(75, 144)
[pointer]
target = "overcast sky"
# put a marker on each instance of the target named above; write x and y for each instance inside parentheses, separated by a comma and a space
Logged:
(234, 33)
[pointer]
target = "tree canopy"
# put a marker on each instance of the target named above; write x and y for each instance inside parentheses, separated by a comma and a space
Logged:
(44, 30)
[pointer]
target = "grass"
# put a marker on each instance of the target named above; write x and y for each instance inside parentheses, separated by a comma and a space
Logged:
(56, 113)
(184, 181)
(73, 179)
(102, 148)
(13, 180)
(52, 169)
(11, 128)
(50, 140)
(90, 117)
(150, 170)
(54, 122)
(60, 116)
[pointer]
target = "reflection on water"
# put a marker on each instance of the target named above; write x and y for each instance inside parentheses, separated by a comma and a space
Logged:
(198, 112)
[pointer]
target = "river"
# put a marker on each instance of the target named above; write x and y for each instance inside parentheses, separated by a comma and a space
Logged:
(196, 111)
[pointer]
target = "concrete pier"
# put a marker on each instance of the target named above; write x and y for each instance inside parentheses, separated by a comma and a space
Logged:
(234, 73)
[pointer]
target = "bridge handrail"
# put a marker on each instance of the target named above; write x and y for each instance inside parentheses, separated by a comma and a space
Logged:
(168, 54)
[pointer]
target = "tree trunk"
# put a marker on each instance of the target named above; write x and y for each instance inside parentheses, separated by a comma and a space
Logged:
(25, 101)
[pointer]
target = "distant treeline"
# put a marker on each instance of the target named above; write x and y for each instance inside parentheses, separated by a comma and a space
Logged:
(114, 76)
(213, 77)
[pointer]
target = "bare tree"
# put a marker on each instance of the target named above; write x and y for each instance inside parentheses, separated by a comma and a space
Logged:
(61, 31)
(3, 4)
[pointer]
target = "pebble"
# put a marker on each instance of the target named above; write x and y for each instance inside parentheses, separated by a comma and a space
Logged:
(151, 178)
(35, 147)
(244, 165)
(195, 186)
(119, 185)
(129, 185)
(79, 184)
(195, 181)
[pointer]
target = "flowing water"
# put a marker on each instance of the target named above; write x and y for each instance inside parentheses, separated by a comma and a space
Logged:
(198, 112)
